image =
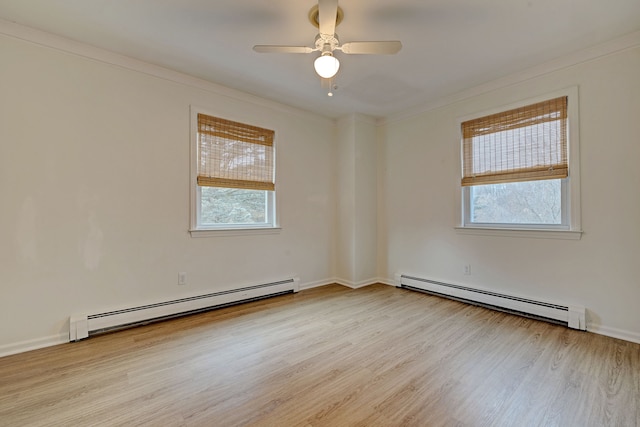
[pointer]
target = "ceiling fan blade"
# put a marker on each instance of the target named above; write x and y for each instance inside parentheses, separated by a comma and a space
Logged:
(265, 48)
(372, 48)
(327, 15)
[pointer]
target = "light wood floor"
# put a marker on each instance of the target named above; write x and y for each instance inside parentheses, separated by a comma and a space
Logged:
(377, 356)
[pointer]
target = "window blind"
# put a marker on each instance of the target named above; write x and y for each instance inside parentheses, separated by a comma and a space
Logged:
(234, 155)
(523, 144)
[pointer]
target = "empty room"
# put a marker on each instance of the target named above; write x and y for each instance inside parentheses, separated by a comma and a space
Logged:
(320, 213)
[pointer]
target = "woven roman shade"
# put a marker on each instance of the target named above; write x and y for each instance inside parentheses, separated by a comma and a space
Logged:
(523, 144)
(234, 155)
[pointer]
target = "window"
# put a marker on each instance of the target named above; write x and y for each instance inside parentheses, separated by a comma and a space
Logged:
(516, 168)
(233, 176)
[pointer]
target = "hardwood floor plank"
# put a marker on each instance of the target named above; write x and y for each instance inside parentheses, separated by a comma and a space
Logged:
(330, 356)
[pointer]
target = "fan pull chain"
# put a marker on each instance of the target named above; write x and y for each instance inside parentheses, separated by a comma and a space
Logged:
(332, 87)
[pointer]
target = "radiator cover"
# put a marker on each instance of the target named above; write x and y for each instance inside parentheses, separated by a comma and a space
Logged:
(83, 325)
(572, 316)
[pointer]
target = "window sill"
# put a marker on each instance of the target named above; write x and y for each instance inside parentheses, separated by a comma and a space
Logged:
(224, 232)
(521, 232)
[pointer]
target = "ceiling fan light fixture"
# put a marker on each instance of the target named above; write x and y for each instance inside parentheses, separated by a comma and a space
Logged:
(326, 16)
(326, 65)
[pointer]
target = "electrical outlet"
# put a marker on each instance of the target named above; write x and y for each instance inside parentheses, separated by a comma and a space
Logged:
(467, 270)
(182, 278)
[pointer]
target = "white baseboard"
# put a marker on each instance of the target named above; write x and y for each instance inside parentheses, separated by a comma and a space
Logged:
(356, 285)
(590, 326)
(62, 338)
(35, 344)
(317, 284)
(388, 282)
(614, 332)
(347, 283)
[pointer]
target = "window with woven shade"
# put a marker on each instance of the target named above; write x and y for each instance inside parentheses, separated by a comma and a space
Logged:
(234, 155)
(233, 174)
(515, 166)
(522, 144)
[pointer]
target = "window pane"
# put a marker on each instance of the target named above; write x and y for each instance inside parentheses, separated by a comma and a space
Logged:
(531, 202)
(232, 206)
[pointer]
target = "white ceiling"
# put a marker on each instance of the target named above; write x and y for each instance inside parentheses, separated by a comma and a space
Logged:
(448, 45)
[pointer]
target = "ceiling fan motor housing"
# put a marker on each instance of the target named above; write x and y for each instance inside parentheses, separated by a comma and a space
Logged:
(326, 43)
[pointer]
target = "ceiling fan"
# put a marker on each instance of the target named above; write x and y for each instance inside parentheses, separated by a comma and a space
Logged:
(326, 16)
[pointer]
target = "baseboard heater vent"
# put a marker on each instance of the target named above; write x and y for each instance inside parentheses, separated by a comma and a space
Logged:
(569, 315)
(83, 325)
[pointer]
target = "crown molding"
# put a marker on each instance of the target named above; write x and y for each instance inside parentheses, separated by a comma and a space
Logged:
(630, 41)
(69, 46)
(42, 38)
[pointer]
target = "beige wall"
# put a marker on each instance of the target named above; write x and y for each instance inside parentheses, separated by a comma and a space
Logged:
(94, 191)
(357, 190)
(421, 174)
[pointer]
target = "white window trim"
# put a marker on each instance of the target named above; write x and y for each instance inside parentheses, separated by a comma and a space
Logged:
(222, 230)
(571, 185)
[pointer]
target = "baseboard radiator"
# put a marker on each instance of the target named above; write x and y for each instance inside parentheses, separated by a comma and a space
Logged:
(572, 316)
(83, 325)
